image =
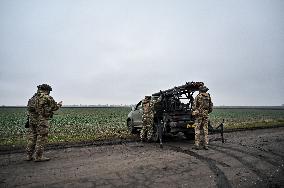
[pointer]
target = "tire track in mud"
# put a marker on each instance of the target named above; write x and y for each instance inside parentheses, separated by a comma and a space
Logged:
(276, 154)
(261, 157)
(222, 180)
(271, 152)
(246, 164)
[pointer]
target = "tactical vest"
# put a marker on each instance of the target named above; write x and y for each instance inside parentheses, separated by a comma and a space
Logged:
(206, 103)
(147, 107)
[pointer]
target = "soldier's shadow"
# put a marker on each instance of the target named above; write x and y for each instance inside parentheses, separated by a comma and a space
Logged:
(180, 137)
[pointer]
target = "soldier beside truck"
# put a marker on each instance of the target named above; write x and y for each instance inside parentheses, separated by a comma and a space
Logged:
(201, 108)
(173, 111)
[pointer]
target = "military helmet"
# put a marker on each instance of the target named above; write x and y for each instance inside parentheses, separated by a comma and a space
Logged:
(44, 87)
(203, 89)
(148, 97)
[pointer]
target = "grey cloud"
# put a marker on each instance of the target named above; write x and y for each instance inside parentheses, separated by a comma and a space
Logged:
(116, 52)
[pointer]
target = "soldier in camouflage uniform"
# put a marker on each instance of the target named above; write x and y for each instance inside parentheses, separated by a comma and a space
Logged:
(201, 108)
(147, 118)
(40, 110)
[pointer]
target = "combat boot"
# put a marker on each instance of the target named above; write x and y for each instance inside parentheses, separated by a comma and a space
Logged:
(205, 147)
(196, 147)
(29, 158)
(41, 159)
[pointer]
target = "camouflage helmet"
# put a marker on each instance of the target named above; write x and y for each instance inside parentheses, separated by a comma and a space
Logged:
(203, 89)
(44, 87)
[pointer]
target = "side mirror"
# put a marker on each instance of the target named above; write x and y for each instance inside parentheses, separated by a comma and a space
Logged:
(132, 108)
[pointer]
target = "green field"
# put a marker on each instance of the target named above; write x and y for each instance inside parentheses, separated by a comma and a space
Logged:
(87, 124)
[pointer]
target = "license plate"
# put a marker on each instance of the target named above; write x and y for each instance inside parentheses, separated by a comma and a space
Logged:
(190, 126)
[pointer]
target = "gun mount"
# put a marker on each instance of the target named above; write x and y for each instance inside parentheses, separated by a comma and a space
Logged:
(187, 88)
(171, 98)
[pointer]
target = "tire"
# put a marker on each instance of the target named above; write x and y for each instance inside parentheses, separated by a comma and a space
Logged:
(131, 128)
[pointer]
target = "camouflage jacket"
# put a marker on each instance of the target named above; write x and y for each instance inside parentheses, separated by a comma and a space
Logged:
(148, 108)
(202, 105)
(46, 105)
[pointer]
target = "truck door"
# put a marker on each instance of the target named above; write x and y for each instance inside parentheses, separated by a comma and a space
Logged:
(137, 115)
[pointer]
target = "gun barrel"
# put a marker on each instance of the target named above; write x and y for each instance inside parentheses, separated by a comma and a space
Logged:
(186, 88)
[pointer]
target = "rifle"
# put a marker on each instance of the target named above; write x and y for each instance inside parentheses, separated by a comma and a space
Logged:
(27, 124)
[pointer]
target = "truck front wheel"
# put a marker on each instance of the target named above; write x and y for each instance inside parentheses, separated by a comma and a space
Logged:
(131, 128)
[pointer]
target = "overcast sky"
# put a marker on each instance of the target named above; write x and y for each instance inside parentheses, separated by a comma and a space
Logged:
(118, 51)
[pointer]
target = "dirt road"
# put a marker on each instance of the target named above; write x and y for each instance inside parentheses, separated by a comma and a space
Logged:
(247, 159)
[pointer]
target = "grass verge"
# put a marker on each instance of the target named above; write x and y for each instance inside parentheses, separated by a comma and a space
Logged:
(18, 142)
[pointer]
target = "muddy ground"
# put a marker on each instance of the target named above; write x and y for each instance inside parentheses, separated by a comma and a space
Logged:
(247, 159)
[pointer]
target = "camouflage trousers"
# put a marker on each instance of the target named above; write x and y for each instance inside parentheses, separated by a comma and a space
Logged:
(147, 128)
(201, 131)
(37, 137)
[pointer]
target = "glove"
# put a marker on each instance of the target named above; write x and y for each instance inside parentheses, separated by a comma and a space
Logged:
(195, 113)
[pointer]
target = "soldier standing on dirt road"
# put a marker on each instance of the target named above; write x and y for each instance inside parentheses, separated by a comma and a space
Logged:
(147, 118)
(201, 108)
(40, 110)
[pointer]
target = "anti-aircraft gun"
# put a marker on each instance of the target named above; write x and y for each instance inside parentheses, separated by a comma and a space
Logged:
(171, 99)
(173, 112)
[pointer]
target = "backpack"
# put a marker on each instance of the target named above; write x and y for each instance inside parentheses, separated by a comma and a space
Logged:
(33, 104)
(207, 103)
